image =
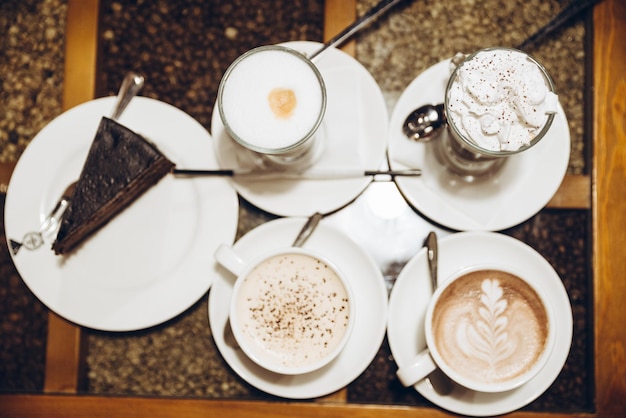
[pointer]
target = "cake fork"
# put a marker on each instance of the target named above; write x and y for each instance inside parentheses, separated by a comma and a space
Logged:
(49, 226)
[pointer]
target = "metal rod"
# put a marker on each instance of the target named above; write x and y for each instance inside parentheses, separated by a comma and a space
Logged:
(567, 13)
(358, 24)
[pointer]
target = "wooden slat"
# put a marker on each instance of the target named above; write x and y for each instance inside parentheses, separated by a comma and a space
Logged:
(59, 406)
(574, 193)
(609, 205)
(337, 15)
(6, 169)
(64, 350)
(81, 52)
(64, 356)
(608, 202)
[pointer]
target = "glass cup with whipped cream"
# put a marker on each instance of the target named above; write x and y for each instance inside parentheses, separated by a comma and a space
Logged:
(272, 101)
(498, 102)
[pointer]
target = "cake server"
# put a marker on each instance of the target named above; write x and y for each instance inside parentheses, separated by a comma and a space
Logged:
(356, 26)
(131, 84)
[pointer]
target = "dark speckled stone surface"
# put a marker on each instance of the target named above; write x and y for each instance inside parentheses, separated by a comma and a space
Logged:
(183, 48)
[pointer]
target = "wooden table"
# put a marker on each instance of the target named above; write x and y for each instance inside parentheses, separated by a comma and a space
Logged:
(604, 192)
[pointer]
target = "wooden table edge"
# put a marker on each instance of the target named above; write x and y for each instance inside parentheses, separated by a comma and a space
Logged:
(607, 202)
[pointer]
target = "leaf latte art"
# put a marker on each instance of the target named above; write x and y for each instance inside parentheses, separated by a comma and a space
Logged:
(487, 339)
(490, 326)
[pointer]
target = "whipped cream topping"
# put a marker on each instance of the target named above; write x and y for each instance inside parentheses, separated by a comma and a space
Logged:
(500, 100)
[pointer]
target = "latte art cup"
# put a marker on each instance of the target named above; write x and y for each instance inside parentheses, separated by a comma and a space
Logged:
(487, 329)
(272, 101)
(291, 311)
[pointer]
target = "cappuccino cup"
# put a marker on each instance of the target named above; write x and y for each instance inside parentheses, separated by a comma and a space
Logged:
(291, 310)
(487, 328)
(272, 100)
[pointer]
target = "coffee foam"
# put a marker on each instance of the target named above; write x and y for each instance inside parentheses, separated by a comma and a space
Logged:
(490, 326)
(252, 90)
(294, 308)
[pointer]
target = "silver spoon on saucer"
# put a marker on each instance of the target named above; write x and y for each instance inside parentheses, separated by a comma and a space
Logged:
(437, 380)
(307, 229)
(356, 26)
(425, 123)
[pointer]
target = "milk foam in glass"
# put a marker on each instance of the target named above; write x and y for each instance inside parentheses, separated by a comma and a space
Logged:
(272, 101)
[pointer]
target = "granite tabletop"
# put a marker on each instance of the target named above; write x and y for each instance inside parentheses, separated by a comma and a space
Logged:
(183, 49)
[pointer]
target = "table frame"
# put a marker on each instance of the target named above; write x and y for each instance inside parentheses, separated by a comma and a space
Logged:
(603, 192)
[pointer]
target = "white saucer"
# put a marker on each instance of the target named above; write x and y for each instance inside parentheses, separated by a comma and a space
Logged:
(411, 293)
(355, 132)
(522, 188)
(152, 261)
(371, 308)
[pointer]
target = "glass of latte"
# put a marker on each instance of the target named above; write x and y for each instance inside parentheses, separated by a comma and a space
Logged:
(487, 329)
(292, 311)
(272, 101)
(498, 102)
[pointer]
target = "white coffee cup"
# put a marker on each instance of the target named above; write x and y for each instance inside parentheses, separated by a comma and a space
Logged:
(291, 311)
(272, 100)
(487, 328)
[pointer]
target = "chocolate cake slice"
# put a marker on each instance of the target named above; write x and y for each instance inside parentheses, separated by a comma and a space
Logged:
(120, 167)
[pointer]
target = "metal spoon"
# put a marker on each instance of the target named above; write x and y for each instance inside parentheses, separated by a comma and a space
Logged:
(425, 123)
(432, 255)
(131, 84)
(356, 26)
(307, 229)
(437, 380)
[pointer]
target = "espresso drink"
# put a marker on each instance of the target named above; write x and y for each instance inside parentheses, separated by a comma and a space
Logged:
(272, 98)
(294, 308)
(490, 326)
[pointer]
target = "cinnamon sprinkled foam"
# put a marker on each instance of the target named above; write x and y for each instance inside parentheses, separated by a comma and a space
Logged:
(295, 307)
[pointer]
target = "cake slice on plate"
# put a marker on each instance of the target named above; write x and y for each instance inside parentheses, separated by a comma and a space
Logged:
(120, 167)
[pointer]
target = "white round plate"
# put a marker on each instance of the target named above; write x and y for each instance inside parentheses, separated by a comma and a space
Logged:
(153, 260)
(525, 184)
(411, 294)
(371, 308)
(355, 132)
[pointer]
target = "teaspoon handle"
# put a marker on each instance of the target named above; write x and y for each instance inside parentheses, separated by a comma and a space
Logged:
(358, 24)
(568, 12)
(307, 229)
(131, 85)
(432, 255)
